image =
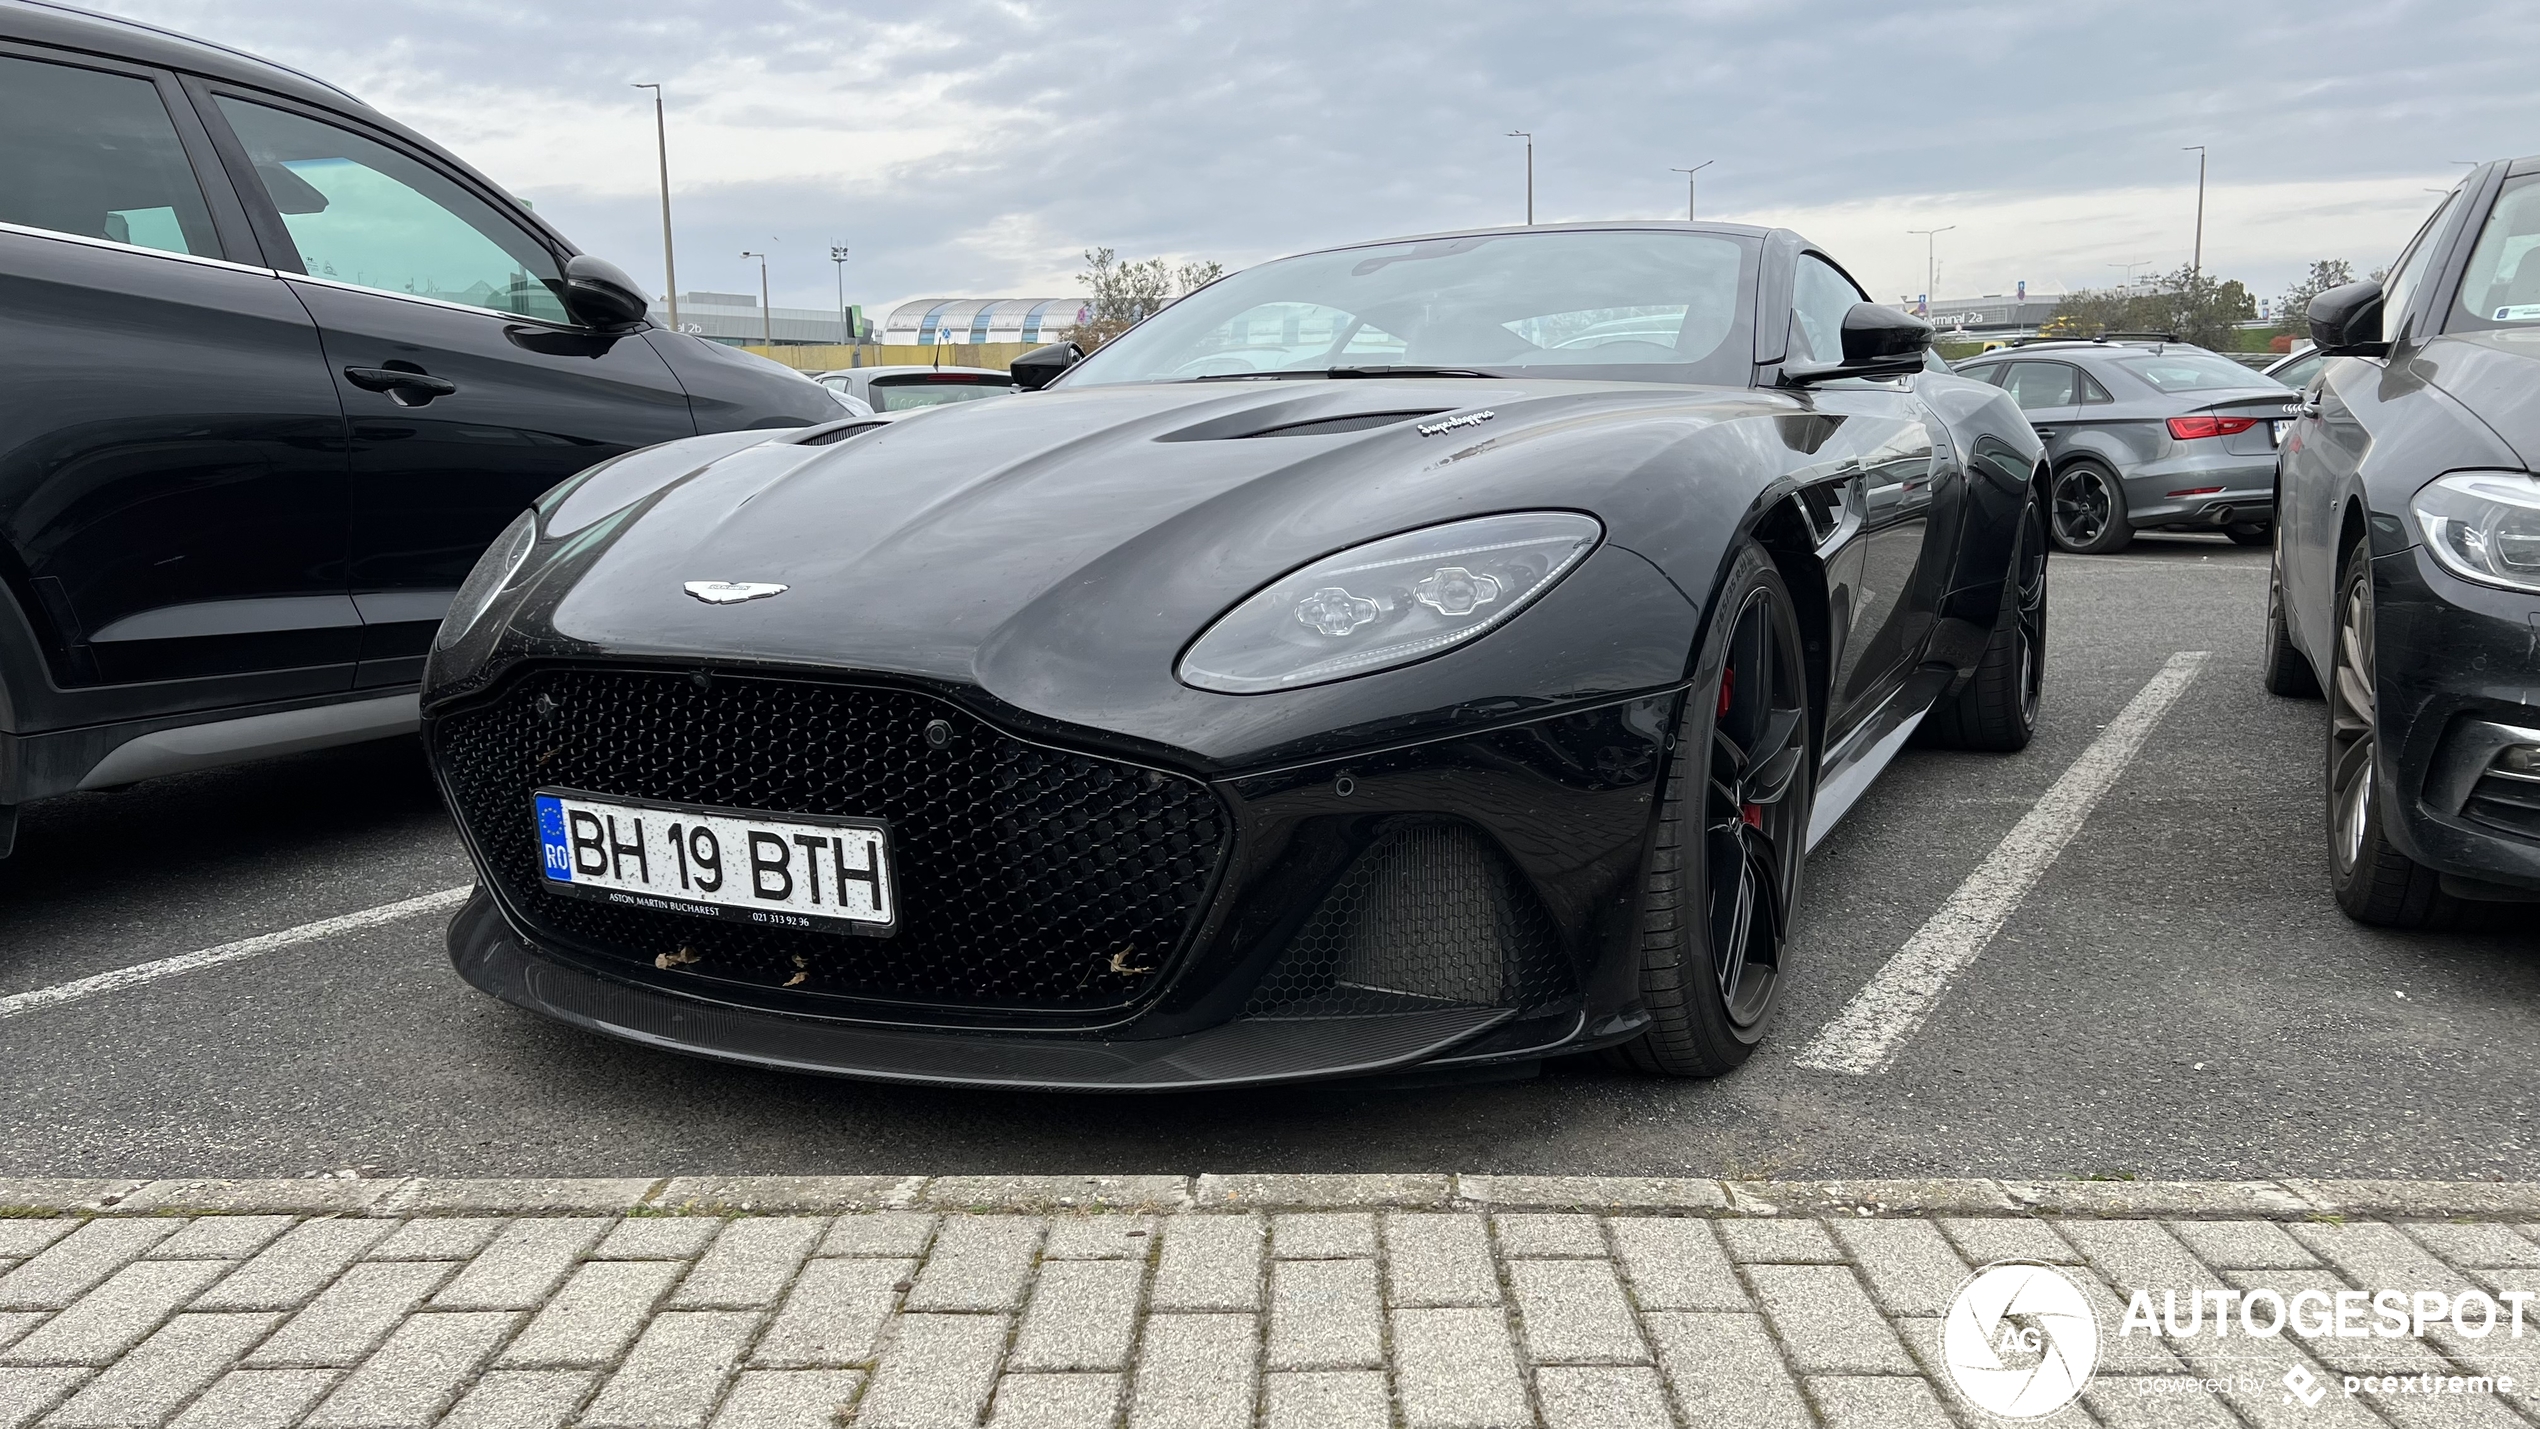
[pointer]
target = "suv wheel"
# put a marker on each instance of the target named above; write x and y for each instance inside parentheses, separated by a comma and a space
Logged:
(2089, 510)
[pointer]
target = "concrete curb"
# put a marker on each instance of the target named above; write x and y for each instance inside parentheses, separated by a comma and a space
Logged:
(2298, 1199)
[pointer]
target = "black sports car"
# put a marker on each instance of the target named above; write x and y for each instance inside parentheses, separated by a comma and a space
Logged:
(2407, 562)
(1427, 653)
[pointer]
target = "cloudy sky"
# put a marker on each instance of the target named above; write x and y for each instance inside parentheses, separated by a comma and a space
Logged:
(976, 147)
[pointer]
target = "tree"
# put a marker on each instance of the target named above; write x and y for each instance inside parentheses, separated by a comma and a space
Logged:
(2292, 311)
(2192, 306)
(1125, 294)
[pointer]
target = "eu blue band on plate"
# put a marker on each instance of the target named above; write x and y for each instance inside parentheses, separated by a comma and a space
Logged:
(555, 854)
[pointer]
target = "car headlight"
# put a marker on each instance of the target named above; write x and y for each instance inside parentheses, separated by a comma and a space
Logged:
(494, 570)
(1388, 602)
(2484, 526)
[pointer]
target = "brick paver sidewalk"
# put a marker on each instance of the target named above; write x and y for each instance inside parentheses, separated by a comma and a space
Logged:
(1312, 1301)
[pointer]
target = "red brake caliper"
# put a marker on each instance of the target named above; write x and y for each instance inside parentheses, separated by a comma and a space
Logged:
(1753, 814)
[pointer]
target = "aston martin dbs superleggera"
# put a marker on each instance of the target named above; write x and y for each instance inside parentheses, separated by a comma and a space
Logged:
(1426, 653)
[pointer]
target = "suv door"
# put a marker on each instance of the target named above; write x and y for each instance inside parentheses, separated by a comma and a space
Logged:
(468, 388)
(172, 478)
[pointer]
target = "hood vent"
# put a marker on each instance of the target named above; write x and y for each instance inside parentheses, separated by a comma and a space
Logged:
(831, 436)
(1333, 426)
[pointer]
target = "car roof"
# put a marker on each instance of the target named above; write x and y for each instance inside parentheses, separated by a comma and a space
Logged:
(68, 27)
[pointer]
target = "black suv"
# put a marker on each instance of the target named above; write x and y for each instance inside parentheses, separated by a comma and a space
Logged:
(273, 372)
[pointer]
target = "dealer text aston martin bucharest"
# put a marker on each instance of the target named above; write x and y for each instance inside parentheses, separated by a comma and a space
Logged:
(1420, 654)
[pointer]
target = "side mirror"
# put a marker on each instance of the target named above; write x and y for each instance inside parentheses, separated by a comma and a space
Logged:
(2346, 321)
(1877, 342)
(598, 294)
(1041, 366)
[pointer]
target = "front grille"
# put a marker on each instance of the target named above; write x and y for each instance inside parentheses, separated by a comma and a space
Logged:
(1029, 877)
(1429, 916)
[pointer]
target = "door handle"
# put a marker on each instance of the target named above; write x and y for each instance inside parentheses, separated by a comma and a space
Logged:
(2044, 432)
(406, 389)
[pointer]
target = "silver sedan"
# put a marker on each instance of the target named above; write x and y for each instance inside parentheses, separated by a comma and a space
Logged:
(2147, 435)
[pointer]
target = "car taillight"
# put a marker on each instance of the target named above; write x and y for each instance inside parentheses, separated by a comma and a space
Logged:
(2188, 429)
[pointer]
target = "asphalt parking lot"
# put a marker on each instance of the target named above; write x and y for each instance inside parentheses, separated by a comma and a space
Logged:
(2174, 997)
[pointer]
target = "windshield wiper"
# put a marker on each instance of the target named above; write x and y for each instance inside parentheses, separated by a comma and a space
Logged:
(1293, 372)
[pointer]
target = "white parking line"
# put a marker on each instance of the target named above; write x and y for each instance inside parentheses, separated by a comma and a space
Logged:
(1866, 1036)
(257, 946)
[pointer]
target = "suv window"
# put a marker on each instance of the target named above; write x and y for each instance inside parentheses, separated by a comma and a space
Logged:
(2039, 385)
(2501, 287)
(363, 213)
(1819, 297)
(95, 154)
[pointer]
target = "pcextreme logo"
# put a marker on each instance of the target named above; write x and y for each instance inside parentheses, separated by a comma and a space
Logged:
(2020, 1340)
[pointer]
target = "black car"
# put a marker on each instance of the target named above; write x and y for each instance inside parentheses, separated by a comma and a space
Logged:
(273, 371)
(1432, 652)
(2407, 569)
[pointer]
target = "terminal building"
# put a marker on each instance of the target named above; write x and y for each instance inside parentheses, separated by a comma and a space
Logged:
(928, 322)
(1995, 317)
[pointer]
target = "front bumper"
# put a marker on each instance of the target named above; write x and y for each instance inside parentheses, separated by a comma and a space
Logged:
(1457, 901)
(2459, 676)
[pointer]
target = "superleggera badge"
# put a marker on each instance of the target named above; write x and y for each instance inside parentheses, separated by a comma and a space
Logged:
(732, 592)
(1469, 419)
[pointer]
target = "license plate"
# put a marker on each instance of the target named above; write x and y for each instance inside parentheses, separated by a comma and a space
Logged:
(2275, 433)
(799, 871)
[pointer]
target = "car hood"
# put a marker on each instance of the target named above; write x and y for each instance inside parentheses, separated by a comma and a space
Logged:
(2497, 376)
(1059, 550)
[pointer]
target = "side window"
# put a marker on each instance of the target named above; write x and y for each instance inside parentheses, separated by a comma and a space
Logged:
(1984, 372)
(95, 154)
(2092, 392)
(2410, 270)
(2037, 386)
(1819, 297)
(361, 212)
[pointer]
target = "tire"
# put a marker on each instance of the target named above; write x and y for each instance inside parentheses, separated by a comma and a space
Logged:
(2283, 666)
(1723, 869)
(2374, 882)
(2250, 533)
(2088, 513)
(1997, 711)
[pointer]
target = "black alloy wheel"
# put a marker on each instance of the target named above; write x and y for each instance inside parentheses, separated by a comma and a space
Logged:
(1997, 709)
(1723, 873)
(2374, 882)
(2089, 512)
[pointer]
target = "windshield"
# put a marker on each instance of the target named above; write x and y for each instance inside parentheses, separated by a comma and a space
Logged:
(2193, 371)
(1650, 306)
(2501, 287)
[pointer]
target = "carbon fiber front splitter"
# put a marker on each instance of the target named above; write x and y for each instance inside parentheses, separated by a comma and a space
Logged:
(1246, 1051)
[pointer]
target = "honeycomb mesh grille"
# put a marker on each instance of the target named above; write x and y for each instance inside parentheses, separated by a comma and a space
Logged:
(1428, 916)
(1028, 877)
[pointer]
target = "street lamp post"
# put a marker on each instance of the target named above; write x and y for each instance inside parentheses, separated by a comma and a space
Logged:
(1931, 259)
(1529, 137)
(766, 319)
(2196, 265)
(661, 143)
(838, 255)
(1689, 173)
